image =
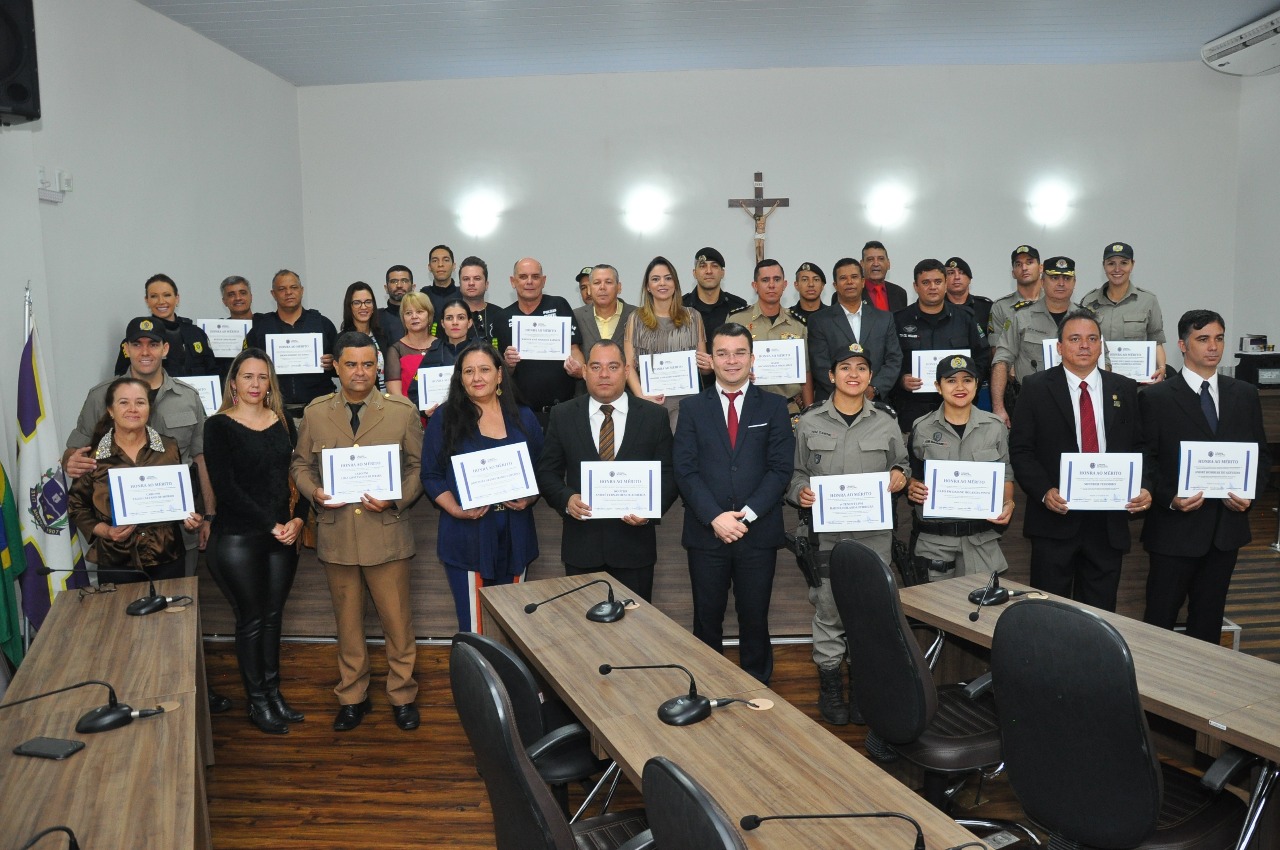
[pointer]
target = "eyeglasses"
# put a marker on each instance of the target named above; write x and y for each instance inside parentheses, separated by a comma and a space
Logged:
(368, 302)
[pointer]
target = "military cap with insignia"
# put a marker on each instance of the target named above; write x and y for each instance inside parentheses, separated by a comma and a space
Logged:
(815, 268)
(960, 265)
(709, 255)
(1117, 249)
(1024, 249)
(1060, 266)
(854, 350)
(143, 327)
(586, 272)
(949, 366)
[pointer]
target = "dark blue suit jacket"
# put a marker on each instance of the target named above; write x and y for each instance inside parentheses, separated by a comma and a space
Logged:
(714, 478)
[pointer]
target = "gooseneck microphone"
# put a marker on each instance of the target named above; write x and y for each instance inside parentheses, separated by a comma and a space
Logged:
(72, 844)
(683, 710)
(140, 607)
(104, 718)
(750, 822)
(608, 611)
(992, 594)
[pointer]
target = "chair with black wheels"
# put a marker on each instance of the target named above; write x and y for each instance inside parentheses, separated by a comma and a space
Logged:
(1077, 747)
(525, 814)
(682, 815)
(558, 746)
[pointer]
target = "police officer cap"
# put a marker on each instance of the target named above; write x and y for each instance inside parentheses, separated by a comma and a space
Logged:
(1117, 249)
(963, 267)
(854, 350)
(1024, 249)
(586, 272)
(708, 255)
(815, 268)
(949, 366)
(1060, 266)
(143, 327)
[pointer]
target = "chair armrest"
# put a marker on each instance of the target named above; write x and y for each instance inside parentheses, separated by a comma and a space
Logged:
(641, 841)
(557, 739)
(1225, 767)
(934, 652)
(978, 686)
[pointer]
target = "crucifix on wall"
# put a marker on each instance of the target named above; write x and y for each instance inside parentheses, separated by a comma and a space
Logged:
(756, 208)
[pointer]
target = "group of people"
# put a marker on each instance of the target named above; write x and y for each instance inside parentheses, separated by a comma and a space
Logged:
(735, 452)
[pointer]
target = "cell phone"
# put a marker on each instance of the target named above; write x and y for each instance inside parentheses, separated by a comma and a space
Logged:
(49, 748)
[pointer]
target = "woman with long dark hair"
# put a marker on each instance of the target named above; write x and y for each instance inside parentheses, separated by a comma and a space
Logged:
(491, 544)
(253, 548)
(360, 313)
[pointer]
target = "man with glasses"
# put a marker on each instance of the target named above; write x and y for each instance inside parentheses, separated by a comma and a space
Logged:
(399, 284)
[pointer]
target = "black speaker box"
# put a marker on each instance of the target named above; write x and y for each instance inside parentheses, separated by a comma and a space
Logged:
(19, 83)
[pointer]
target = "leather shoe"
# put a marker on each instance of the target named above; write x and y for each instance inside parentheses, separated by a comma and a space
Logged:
(406, 716)
(349, 716)
(218, 704)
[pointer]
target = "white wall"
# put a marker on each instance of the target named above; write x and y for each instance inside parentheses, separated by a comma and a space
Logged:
(1257, 279)
(1151, 148)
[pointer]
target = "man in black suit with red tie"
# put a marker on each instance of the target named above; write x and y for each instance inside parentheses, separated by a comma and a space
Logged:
(606, 424)
(1193, 541)
(734, 451)
(1075, 407)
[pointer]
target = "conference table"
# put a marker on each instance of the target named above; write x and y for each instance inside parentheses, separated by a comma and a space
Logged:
(1218, 692)
(141, 785)
(776, 761)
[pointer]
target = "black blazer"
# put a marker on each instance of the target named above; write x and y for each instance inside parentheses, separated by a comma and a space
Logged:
(829, 333)
(714, 478)
(1170, 414)
(594, 543)
(1044, 427)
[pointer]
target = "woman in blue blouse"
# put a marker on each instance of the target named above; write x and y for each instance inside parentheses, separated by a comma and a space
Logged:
(492, 544)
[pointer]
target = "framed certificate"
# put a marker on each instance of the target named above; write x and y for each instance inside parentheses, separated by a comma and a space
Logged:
(542, 337)
(615, 489)
(1218, 469)
(674, 373)
(780, 361)
(210, 389)
(347, 474)
(296, 354)
(433, 385)
(1099, 481)
(924, 365)
(1135, 360)
(1049, 350)
(492, 476)
(226, 336)
(146, 494)
(963, 489)
(855, 502)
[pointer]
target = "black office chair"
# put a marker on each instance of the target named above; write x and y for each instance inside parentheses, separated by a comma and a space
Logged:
(525, 814)
(1077, 748)
(682, 815)
(558, 745)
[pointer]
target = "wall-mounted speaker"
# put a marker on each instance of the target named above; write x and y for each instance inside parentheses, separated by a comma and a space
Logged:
(19, 83)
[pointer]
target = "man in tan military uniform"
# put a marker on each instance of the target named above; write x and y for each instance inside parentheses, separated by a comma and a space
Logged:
(766, 320)
(1021, 346)
(369, 542)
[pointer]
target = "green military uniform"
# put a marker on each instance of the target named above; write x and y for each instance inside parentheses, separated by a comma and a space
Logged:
(1001, 315)
(785, 326)
(1021, 345)
(1135, 317)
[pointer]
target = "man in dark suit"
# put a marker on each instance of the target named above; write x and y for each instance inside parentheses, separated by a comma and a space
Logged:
(1193, 541)
(734, 452)
(606, 424)
(849, 320)
(1075, 407)
(605, 315)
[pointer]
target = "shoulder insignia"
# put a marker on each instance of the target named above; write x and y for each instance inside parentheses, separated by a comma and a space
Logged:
(1089, 308)
(1021, 304)
(982, 299)
(884, 407)
(320, 399)
(199, 347)
(797, 316)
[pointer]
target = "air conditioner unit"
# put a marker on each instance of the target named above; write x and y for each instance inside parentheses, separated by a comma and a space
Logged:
(1247, 52)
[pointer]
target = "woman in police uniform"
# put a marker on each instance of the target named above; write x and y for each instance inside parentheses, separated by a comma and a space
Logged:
(189, 350)
(1125, 312)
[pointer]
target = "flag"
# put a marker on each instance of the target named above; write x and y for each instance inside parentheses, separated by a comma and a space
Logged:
(48, 538)
(11, 566)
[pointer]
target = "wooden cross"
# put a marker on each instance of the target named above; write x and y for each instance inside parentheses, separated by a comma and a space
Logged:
(755, 207)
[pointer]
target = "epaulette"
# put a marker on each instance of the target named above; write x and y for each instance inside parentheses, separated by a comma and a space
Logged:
(982, 298)
(884, 405)
(398, 399)
(1084, 306)
(1021, 304)
(320, 399)
(797, 316)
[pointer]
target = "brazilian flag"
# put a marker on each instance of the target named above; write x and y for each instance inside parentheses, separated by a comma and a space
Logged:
(12, 563)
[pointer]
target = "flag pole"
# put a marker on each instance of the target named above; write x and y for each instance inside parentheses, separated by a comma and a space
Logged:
(26, 314)
(26, 335)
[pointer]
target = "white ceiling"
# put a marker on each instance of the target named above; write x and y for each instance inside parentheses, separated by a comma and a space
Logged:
(329, 42)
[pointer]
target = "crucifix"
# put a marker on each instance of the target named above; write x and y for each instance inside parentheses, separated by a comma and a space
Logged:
(755, 207)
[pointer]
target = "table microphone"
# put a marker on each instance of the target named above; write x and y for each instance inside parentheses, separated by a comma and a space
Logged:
(149, 604)
(683, 710)
(72, 844)
(104, 718)
(750, 822)
(608, 611)
(992, 594)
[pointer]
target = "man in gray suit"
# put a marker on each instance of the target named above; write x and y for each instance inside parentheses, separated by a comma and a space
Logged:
(604, 316)
(852, 320)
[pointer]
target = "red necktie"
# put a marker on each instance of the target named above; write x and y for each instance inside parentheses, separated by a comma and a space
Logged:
(879, 295)
(733, 417)
(1088, 427)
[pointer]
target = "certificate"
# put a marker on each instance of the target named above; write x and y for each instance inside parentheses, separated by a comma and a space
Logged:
(226, 336)
(855, 502)
(1132, 359)
(433, 385)
(674, 373)
(779, 361)
(964, 489)
(296, 354)
(924, 365)
(1218, 469)
(1049, 351)
(347, 474)
(210, 389)
(150, 494)
(492, 476)
(1099, 481)
(615, 489)
(542, 337)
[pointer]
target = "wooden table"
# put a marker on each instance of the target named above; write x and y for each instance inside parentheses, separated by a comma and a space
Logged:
(142, 785)
(751, 762)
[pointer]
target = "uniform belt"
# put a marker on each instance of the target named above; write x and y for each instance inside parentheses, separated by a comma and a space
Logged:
(498, 507)
(956, 528)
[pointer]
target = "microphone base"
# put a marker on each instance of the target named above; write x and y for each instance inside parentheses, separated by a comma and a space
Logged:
(104, 719)
(146, 605)
(995, 596)
(606, 612)
(684, 710)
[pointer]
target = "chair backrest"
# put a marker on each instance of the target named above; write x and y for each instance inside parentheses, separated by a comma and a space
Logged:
(522, 688)
(1077, 748)
(682, 815)
(891, 679)
(526, 816)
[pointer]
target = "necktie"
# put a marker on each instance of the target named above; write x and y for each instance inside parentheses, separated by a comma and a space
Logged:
(606, 432)
(1088, 427)
(733, 417)
(355, 417)
(1206, 404)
